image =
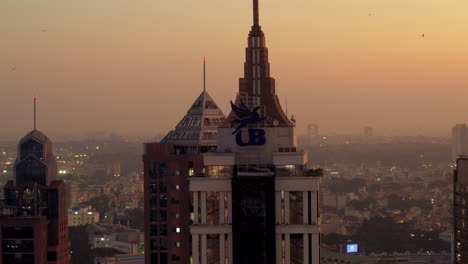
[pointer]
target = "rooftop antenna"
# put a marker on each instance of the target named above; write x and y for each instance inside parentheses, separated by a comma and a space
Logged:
(204, 74)
(255, 13)
(35, 99)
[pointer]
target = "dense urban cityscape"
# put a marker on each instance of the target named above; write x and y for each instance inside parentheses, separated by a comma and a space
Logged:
(246, 187)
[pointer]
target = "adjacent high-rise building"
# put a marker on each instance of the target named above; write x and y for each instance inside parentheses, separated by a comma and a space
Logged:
(460, 211)
(256, 202)
(168, 165)
(459, 141)
(33, 223)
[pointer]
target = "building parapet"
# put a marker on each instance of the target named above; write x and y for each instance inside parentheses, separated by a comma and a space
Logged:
(297, 229)
(210, 229)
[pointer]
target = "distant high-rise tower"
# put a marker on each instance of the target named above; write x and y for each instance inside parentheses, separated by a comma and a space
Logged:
(256, 203)
(459, 141)
(368, 132)
(167, 167)
(460, 212)
(34, 224)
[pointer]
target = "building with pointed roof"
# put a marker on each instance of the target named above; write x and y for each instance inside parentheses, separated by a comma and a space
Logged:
(199, 127)
(167, 166)
(34, 221)
(257, 202)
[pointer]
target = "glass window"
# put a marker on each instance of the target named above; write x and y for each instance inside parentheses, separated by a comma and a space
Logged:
(153, 216)
(289, 170)
(163, 231)
(162, 187)
(163, 201)
(164, 259)
(153, 188)
(153, 201)
(152, 169)
(162, 170)
(154, 245)
(163, 216)
(296, 208)
(154, 230)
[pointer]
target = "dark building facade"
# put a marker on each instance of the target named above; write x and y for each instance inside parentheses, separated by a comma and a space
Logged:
(34, 221)
(167, 166)
(460, 208)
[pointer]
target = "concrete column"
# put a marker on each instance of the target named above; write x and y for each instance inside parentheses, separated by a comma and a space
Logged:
(230, 208)
(315, 249)
(222, 249)
(195, 208)
(204, 247)
(306, 248)
(278, 207)
(221, 208)
(305, 208)
(195, 250)
(313, 207)
(203, 207)
(286, 208)
(230, 254)
(287, 249)
(279, 249)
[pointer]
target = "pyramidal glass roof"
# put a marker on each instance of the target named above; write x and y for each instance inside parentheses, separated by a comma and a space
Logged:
(199, 127)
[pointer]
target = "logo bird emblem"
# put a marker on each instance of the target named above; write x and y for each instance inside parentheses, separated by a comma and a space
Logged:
(245, 116)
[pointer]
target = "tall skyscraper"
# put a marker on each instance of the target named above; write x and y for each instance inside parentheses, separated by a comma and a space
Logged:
(368, 132)
(168, 165)
(34, 224)
(256, 203)
(459, 141)
(460, 211)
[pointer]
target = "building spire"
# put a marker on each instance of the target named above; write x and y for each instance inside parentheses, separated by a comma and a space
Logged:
(255, 13)
(204, 74)
(34, 117)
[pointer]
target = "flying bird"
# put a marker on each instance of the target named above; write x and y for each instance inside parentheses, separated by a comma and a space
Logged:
(13, 69)
(423, 35)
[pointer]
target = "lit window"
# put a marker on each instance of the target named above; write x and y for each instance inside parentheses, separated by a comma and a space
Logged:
(177, 229)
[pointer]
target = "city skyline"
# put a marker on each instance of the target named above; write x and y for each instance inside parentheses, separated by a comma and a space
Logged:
(401, 70)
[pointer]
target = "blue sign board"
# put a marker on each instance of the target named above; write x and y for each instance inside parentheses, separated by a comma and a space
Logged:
(352, 248)
(256, 137)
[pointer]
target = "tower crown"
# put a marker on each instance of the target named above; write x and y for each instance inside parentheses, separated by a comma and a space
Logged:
(257, 87)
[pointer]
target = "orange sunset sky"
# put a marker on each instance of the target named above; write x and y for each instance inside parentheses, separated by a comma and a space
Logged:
(134, 67)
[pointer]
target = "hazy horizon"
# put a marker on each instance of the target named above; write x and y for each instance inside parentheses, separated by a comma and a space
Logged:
(135, 68)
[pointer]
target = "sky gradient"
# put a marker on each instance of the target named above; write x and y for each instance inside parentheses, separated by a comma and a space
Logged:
(134, 67)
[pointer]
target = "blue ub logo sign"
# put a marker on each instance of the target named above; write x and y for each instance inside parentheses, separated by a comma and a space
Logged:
(246, 116)
(256, 138)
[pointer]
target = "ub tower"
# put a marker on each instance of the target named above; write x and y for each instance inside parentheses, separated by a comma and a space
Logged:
(256, 202)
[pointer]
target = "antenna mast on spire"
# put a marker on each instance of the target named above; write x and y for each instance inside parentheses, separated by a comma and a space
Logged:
(255, 13)
(35, 99)
(204, 74)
